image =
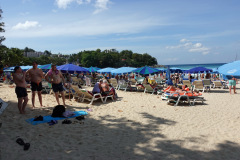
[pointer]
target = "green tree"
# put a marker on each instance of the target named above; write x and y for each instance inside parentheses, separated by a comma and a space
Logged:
(2, 38)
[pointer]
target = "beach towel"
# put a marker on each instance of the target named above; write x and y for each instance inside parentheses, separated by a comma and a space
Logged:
(49, 118)
(3, 106)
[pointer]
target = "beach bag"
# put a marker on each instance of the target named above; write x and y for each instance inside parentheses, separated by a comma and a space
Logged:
(58, 111)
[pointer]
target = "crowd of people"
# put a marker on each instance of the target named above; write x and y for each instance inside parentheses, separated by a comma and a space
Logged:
(59, 81)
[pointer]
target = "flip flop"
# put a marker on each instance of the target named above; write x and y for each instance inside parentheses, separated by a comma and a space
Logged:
(26, 146)
(20, 141)
(80, 117)
(67, 121)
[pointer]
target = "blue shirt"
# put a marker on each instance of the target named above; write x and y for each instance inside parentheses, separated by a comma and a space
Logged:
(96, 88)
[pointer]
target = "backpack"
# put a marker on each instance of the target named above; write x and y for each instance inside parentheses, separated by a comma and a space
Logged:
(58, 111)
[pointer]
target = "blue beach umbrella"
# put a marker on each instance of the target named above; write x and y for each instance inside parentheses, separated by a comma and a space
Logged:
(24, 68)
(198, 69)
(176, 70)
(123, 70)
(230, 69)
(105, 70)
(46, 66)
(93, 69)
(145, 70)
(71, 68)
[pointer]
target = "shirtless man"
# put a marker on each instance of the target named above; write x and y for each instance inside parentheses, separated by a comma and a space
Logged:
(36, 75)
(56, 78)
(21, 91)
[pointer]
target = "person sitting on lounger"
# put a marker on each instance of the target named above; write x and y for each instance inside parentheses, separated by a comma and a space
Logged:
(106, 89)
(97, 87)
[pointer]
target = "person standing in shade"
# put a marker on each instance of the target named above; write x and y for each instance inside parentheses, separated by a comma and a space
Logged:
(35, 76)
(56, 78)
(20, 90)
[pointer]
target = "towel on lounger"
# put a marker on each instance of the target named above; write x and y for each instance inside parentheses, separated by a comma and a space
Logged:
(49, 118)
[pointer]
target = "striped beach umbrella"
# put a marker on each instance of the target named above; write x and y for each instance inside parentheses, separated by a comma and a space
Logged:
(93, 69)
(145, 70)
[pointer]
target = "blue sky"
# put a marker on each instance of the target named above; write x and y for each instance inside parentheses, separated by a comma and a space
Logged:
(174, 31)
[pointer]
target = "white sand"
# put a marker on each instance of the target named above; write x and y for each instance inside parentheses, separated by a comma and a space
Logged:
(137, 126)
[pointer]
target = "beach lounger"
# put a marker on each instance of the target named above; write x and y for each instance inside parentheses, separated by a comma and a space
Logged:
(217, 84)
(188, 83)
(191, 100)
(46, 87)
(198, 85)
(114, 82)
(82, 95)
(207, 84)
(148, 88)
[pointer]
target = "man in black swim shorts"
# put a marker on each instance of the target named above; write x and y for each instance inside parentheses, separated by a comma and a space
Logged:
(19, 80)
(36, 75)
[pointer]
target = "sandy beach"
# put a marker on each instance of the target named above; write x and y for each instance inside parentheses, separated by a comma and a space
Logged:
(136, 126)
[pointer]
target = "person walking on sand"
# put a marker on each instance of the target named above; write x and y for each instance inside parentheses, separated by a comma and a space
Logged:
(232, 83)
(56, 78)
(35, 76)
(20, 90)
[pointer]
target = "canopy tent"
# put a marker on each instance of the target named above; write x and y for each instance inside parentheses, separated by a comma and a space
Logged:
(145, 70)
(93, 69)
(71, 68)
(198, 69)
(123, 70)
(105, 70)
(230, 69)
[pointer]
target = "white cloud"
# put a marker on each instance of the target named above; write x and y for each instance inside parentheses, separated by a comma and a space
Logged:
(184, 40)
(101, 5)
(26, 25)
(190, 47)
(64, 3)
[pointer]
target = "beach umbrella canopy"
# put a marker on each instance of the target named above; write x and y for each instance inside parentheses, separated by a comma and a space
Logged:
(230, 69)
(145, 70)
(123, 70)
(24, 68)
(105, 70)
(162, 69)
(93, 69)
(46, 66)
(198, 69)
(71, 68)
(176, 70)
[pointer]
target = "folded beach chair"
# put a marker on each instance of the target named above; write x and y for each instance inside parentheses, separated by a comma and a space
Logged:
(217, 84)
